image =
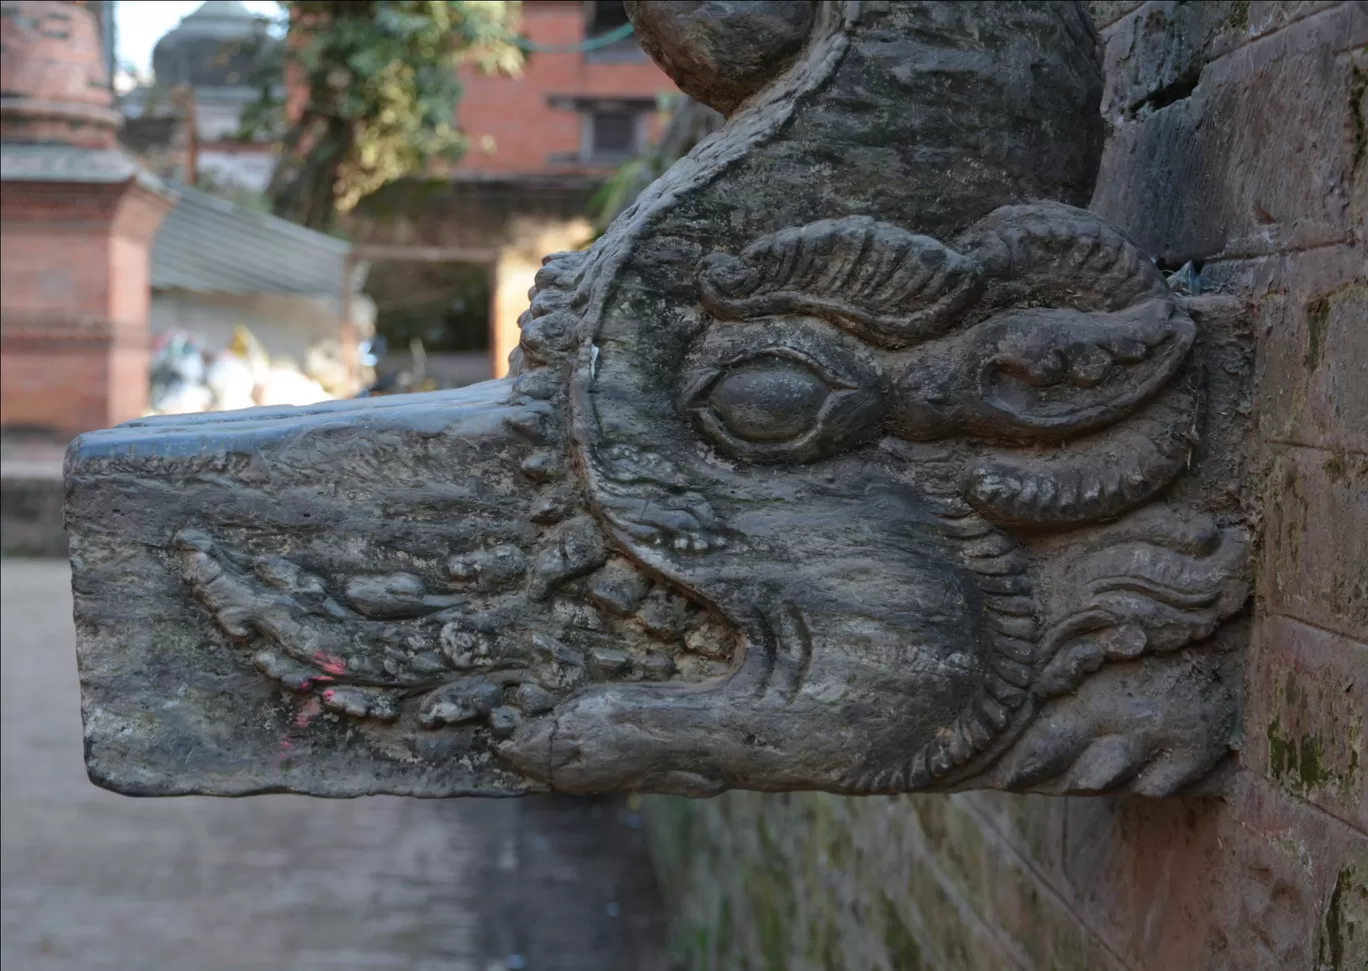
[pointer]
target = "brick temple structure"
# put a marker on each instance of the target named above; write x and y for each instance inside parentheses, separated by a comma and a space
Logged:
(573, 111)
(77, 219)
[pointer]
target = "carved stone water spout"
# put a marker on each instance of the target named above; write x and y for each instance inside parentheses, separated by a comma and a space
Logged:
(855, 456)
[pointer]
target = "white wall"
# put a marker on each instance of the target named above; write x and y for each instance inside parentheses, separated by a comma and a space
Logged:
(241, 170)
(285, 325)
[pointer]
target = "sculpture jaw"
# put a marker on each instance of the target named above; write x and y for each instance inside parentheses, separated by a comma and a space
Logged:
(441, 583)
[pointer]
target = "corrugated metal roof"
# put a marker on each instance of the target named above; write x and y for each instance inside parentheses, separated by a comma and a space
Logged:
(210, 245)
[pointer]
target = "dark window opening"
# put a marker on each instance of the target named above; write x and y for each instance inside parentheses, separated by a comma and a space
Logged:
(432, 317)
(613, 135)
(605, 16)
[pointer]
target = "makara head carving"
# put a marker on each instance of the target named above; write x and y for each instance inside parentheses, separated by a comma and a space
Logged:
(848, 454)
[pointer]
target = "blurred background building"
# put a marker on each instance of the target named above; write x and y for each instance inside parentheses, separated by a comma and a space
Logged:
(134, 217)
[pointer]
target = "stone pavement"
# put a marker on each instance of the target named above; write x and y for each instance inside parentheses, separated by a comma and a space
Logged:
(93, 880)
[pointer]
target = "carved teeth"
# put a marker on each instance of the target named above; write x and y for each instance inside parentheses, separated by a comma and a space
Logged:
(464, 647)
(576, 551)
(960, 746)
(1005, 565)
(1008, 694)
(459, 702)
(1010, 585)
(1020, 628)
(939, 761)
(710, 641)
(1018, 649)
(288, 672)
(918, 773)
(1012, 672)
(1012, 606)
(1105, 763)
(545, 337)
(992, 712)
(664, 614)
(503, 722)
(533, 699)
(608, 661)
(575, 614)
(360, 702)
(543, 465)
(618, 587)
(489, 570)
(531, 425)
(540, 384)
(552, 507)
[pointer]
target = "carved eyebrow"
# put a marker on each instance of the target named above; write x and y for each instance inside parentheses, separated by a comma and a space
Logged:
(887, 286)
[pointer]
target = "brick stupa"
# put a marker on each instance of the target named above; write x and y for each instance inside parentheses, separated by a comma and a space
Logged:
(77, 218)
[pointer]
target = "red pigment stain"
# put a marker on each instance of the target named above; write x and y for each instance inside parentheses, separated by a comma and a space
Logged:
(330, 662)
(284, 751)
(309, 712)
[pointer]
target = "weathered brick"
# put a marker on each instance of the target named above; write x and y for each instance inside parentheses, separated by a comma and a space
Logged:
(1306, 707)
(1312, 381)
(1156, 56)
(514, 117)
(1256, 158)
(1241, 883)
(73, 282)
(1316, 538)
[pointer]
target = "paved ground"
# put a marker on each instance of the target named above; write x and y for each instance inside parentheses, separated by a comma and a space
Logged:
(92, 880)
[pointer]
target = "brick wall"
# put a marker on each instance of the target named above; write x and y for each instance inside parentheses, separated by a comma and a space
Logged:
(1238, 141)
(514, 114)
(73, 303)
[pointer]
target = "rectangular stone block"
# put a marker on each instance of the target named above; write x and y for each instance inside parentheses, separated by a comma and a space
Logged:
(1306, 708)
(172, 702)
(1155, 56)
(1311, 385)
(1315, 504)
(1251, 153)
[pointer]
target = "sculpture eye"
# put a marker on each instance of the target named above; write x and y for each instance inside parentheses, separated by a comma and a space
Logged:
(769, 400)
(778, 405)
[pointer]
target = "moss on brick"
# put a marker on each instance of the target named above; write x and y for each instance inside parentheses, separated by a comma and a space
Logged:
(1302, 761)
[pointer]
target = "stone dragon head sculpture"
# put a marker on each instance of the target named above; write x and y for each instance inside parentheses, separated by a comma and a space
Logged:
(844, 460)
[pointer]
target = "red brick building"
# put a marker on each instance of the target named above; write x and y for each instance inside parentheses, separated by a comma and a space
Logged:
(572, 112)
(77, 219)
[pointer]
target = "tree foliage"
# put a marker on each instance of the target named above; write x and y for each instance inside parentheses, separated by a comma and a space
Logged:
(382, 90)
